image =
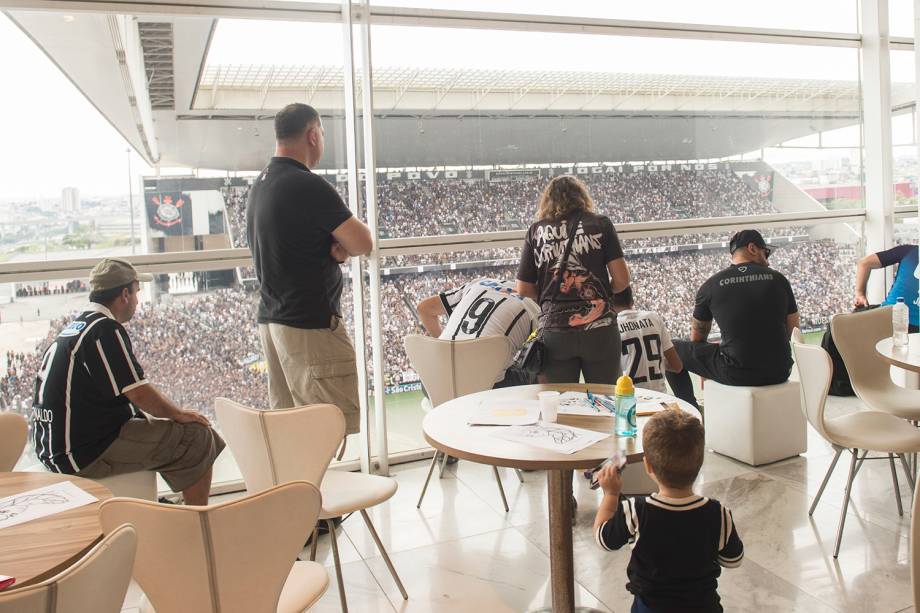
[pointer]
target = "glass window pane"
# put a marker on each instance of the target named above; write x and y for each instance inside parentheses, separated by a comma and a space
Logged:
(901, 17)
(679, 129)
(821, 15)
(903, 127)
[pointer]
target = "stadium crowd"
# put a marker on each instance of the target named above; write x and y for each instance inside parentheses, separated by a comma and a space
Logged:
(174, 337)
(469, 206)
(70, 287)
(178, 334)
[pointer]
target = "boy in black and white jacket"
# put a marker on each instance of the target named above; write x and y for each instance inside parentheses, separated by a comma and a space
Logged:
(680, 540)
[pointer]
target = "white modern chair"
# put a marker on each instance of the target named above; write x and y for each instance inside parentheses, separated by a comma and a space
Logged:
(856, 335)
(273, 447)
(97, 582)
(450, 369)
(859, 433)
(13, 434)
(234, 557)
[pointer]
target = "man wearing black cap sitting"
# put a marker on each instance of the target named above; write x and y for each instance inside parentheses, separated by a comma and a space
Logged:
(756, 312)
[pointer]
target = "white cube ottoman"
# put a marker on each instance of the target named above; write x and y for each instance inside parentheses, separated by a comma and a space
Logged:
(141, 485)
(756, 425)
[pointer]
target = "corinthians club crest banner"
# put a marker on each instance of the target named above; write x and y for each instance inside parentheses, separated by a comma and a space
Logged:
(169, 212)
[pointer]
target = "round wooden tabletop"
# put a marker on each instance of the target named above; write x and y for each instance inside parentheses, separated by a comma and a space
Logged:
(907, 357)
(446, 430)
(36, 550)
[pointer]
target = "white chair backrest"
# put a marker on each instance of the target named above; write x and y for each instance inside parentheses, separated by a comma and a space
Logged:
(97, 582)
(229, 557)
(855, 335)
(815, 370)
(274, 447)
(449, 369)
(13, 433)
(797, 336)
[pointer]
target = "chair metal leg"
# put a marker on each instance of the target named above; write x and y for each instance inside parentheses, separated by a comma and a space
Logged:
(897, 488)
(434, 460)
(383, 553)
(846, 501)
(862, 459)
(501, 490)
(338, 566)
(907, 473)
(520, 474)
(444, 458)
(313, 544)
(827, 477)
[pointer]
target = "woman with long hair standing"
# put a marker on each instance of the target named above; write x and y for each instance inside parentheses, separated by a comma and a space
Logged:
(572, 264)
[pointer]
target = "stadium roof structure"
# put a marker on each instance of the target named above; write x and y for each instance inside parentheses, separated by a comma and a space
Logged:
(150, 77)
(264, 87)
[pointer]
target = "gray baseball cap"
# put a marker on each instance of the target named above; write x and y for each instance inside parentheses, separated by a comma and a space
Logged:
(113, 272)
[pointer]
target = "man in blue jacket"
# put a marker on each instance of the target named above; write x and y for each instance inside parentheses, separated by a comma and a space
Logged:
(905, 283)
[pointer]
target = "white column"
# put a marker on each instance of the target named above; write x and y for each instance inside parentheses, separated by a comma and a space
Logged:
(876, 106)
(354, 203)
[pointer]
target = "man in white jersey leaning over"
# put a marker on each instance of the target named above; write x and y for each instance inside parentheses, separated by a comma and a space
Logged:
(647, 347)
(483, 307)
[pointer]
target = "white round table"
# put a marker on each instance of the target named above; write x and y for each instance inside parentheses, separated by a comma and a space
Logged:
(446, 430)
(907, 357)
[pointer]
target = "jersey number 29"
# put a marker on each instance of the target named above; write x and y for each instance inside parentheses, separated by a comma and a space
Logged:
(652, 344)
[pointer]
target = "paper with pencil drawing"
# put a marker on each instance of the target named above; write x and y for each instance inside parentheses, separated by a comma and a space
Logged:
(42, 502)
(505, 413)
(553, 437)
(577, 403)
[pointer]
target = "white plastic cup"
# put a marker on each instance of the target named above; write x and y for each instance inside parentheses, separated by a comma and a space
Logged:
(549, 405)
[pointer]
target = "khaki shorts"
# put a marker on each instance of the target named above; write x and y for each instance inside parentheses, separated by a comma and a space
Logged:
(312, 367)
(181, 453)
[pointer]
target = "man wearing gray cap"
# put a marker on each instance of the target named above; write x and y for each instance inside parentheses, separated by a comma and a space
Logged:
(92, 406)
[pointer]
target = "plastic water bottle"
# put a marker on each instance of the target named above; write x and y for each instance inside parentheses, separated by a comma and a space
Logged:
(899, 320)
(625, 401)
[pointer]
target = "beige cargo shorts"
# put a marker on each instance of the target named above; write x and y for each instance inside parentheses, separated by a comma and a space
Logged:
(181, 453)
(312, 367)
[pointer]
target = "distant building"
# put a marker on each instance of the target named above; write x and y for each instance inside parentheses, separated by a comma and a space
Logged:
(70, 200)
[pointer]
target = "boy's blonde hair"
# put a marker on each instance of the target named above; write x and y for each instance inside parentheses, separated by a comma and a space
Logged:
(674, 443)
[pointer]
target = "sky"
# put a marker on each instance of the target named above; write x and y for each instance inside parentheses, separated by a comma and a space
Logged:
(53, 137)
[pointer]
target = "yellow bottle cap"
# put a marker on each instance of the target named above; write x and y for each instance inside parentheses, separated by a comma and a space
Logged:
(625, 386)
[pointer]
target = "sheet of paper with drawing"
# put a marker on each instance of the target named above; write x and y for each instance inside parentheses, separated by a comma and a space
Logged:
(42, 502)
(553, 437)
(577, 403)
(505, 413)
(649, 402)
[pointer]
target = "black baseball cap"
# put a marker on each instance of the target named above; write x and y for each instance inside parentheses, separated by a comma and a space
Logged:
(744, 238)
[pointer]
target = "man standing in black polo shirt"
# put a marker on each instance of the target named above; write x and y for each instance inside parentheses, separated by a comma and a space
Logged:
(89, 387)
(756, 312)
(300, 231)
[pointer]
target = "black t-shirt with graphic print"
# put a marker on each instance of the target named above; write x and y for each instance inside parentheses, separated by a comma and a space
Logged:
(583, 299)
(750, 303)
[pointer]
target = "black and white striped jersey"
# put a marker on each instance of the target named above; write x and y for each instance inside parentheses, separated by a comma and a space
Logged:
(680, 546)
(79, 404)
(487, 307)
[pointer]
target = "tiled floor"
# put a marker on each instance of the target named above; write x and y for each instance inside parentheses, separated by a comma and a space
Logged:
(462, 552)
